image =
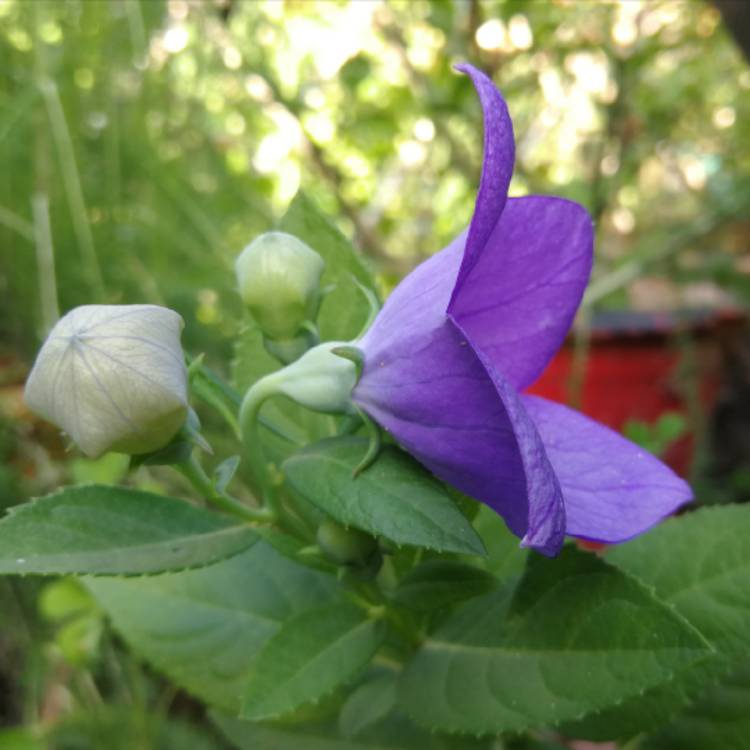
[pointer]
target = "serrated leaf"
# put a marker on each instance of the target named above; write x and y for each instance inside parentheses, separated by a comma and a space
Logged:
(442, 583)
(394, 733)
(203, 628)
(310, 655)
(294, 548)
(700, 564)
(575, 636)
(395, 498)
(368, 704)
(104, 530)
(720, 720)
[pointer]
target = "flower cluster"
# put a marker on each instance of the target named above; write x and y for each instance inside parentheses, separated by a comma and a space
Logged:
(442, 368)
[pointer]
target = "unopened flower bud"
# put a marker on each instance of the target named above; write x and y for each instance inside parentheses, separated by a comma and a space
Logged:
(113, 377)
(320, 380)
(345, 546)
(279, 281)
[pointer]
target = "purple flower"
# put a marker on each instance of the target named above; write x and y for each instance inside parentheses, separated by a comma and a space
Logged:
(472, 327)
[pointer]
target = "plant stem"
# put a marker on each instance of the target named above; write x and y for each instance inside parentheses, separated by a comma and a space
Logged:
(368, 596)
(45, 261)
(251, 441)
(194, 473)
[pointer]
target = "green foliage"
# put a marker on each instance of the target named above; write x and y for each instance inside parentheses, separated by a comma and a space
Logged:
(697, 564)
(441, 583)
(372, 701)
(505, 556)
(204, 627)
(392, 734)
(720, 719)
(342, 313)
(123, 728)
(577, 635)
(700, 564)
(310, 655)
(80, 623)
(154, 140)
(656, 437)
(106, 530)
(342, 316)
(394, 498)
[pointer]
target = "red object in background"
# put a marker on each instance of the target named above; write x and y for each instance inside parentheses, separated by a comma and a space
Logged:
(634, 370)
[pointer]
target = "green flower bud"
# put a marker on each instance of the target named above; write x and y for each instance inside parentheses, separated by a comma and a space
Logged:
(113, 377)
(345, 546)
(319, 380)
(279, 281)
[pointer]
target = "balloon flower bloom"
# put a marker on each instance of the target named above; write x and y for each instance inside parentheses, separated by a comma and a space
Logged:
(448, 358)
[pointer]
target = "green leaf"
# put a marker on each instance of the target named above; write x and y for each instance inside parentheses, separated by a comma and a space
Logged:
(311, 654)
(700, 564)
(21, 738)
(210, 389)
(721, 719)
(506, 558)
(224, 472)
(442, 583)
(204, 627)
(124, 726)
(393, 733)
(368, 704)
(395, 498)
(105, 530)
(575, 636)
(294, 548)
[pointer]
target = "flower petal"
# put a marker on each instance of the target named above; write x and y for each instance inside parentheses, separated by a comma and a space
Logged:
(424, 383)
(520, 297)
(497, 168)
(613, 490)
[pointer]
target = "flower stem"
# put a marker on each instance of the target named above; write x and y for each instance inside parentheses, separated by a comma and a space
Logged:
(368, 596)
(252, 444)
(195, 474)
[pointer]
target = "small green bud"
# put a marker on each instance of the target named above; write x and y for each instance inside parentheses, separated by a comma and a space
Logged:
(113, 377)
(345, 546)
(319, 380)
(279, 281)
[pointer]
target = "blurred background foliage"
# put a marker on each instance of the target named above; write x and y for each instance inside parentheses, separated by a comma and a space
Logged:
(143, 143)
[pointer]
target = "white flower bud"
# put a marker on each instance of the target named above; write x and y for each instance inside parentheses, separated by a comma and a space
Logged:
(279, 280)
(113, 377)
